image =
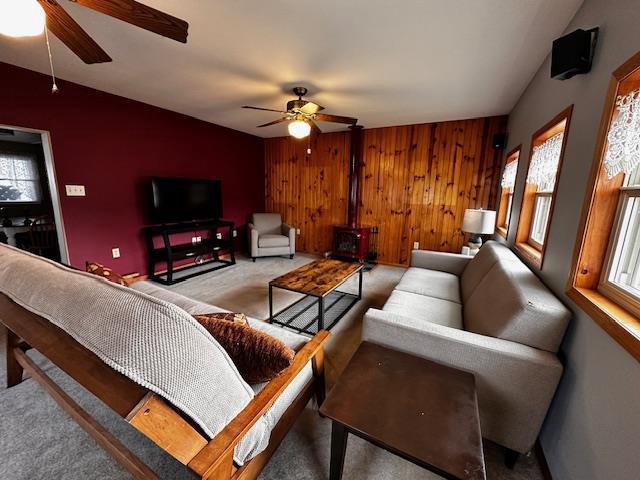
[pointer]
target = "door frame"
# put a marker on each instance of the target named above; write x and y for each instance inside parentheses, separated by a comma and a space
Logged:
(53, 186)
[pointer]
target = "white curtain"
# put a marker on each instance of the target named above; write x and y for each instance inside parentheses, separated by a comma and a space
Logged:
(19, 179)
(509, 175)
(544, 163)
(623, 139)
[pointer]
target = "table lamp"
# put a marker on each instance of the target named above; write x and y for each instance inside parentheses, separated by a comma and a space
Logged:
(478, 222)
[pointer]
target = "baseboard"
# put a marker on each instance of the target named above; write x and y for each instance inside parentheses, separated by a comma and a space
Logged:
(542, 460)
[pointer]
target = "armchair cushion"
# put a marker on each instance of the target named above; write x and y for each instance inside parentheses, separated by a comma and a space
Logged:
(267, 240)
(270, 223)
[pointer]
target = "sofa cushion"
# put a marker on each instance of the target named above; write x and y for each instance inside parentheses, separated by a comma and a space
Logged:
(269, 223)
(431, 283)
(429, 309)
(194, 307)
(480, 265)
(269, 240)
(511, 303)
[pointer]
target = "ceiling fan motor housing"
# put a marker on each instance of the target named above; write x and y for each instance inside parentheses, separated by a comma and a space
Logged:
(300, 91)
(293, 104)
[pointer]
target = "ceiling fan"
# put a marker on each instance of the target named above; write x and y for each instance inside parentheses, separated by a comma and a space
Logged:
(26, 18)
(302, 115)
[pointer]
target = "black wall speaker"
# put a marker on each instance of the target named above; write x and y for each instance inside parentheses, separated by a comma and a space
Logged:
(500, 141)
(573, 53)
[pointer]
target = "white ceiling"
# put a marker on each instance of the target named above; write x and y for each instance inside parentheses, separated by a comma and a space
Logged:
(386, 62)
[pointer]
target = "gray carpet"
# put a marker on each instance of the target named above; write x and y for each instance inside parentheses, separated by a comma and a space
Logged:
(38, 440)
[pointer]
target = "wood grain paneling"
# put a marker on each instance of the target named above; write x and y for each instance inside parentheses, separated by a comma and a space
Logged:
(417, 181)
(310, 191)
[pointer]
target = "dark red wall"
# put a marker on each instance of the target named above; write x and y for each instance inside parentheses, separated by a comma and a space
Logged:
(112, 145)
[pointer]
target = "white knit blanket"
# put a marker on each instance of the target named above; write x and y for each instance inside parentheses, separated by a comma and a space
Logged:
(152, 342)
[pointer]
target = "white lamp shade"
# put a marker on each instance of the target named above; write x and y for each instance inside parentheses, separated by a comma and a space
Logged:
(299, 129)
(21, 18)
(479, 221)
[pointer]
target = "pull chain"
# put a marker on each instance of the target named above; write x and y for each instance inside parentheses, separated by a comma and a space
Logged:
(54, 88)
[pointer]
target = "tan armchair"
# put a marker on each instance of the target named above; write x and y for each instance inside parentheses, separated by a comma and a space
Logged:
(269, 237)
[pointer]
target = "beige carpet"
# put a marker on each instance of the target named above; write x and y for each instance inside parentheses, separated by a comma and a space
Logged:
(38, 440)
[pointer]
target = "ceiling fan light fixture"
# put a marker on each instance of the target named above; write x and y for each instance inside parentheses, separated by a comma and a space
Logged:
(21, 18)
(299, 129)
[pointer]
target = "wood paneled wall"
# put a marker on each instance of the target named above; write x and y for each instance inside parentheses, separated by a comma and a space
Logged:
(310, 191)
(417, 181)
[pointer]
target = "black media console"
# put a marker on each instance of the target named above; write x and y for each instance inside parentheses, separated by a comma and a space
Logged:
(220, 239)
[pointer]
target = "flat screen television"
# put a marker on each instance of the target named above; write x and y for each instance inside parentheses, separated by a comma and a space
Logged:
(184, 199)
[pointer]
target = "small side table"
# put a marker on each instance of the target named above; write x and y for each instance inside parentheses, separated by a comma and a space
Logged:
(422, 411)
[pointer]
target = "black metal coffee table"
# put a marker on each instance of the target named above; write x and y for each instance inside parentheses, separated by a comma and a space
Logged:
(323, 305)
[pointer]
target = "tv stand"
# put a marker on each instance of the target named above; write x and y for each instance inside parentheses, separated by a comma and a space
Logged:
(220, 239)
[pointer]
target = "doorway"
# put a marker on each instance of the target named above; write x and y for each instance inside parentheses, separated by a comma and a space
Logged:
(30, 214)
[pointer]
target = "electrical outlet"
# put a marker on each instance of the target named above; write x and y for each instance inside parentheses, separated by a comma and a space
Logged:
(219, 236)
(194, 240)
(234, 234)
(199, 239)
(416, 245)
(115, 252)
(297, 231)
(75, 190)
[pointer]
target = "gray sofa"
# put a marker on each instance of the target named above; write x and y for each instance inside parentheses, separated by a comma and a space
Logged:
(489, 315)
(269, 237)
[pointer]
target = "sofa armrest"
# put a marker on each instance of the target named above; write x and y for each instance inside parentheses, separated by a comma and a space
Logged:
(253, 240)
(445, 262)
(289, 231)
(215, 459)
(515, 382)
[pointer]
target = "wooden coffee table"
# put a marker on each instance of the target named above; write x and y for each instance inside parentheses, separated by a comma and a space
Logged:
(323, 305)
(422, 411)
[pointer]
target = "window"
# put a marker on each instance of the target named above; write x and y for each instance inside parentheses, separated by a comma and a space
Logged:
(547, 150)
(605, 277)
(506, 196)
(19, 179)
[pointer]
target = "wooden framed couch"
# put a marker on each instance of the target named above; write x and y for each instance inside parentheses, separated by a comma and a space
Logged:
(150, 362)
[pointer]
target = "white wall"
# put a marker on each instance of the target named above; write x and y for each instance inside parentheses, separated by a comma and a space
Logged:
(593, 428)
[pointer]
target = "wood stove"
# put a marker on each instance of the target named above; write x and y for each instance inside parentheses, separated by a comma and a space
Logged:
(352, 240)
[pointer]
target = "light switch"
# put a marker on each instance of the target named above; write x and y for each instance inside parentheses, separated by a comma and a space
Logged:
(297, 231)
(115, 252)
(75, 190)
(416, 245)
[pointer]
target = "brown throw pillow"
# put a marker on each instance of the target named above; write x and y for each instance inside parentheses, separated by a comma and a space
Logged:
(257, 356)
(106, 272)
(240, 318)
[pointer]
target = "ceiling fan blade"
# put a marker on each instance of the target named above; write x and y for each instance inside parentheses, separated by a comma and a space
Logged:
(264, 109)
(141, 16)
(280, 120)
(314, 128)
(311, 108)
(60, 23)
(323, 117)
